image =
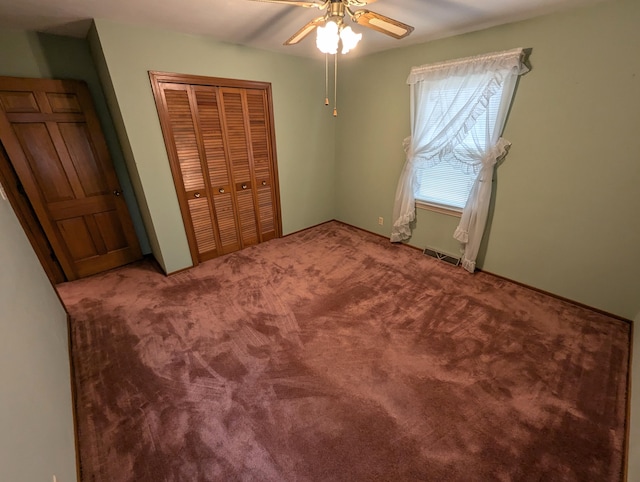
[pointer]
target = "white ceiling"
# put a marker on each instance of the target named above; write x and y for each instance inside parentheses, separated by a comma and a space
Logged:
(265, 25)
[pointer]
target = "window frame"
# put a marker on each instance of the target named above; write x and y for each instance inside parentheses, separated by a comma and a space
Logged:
(439, 208)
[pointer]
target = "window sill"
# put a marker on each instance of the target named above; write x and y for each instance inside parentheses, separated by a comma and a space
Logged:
(449, 211)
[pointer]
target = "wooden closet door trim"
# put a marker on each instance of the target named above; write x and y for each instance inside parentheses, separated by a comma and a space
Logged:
(167, 77)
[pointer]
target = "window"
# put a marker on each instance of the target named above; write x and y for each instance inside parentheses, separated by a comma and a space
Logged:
(458, 110)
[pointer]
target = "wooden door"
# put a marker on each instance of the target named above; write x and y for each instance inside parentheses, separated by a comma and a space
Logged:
(259, 133)
(219, 139)
(237, 135)
(54, 142)
(215, 157)
(28, 219)
(196, 159)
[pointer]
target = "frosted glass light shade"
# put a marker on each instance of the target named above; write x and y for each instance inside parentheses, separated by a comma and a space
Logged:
(327, 38)
(349, 39)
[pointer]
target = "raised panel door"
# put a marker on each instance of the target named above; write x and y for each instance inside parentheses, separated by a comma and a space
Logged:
(53, 140)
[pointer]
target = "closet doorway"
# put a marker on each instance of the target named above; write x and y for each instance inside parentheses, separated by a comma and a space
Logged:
(220, 142)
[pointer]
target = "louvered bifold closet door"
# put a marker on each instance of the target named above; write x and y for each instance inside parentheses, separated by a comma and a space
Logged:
(236, 129)
(220, 140)
(261, 148)
(189, 154)
(220, 181)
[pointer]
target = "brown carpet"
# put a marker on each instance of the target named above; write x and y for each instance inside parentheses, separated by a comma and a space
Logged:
(333, 355)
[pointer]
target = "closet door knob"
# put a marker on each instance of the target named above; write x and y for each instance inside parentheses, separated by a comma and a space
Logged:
(264, 183)
(221, 190)
(244, 186)
(196, 194)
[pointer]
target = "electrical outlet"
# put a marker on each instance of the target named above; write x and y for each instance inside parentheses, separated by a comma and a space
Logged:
(380, 220)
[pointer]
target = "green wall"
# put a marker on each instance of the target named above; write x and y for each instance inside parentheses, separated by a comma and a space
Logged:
(304, 126)
(36, 418)
(30, 54)
(565, 211)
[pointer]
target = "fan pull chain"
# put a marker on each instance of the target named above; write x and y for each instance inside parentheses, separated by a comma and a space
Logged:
(326, 79)
(335, 87)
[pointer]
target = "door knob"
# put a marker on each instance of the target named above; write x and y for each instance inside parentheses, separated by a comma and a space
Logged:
(196, 194)
(116, 192)
(221, 190)
(264, 183)
(244, 186)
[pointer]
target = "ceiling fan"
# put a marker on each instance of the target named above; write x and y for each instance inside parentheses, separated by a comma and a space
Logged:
(336, 10)
(332, 30)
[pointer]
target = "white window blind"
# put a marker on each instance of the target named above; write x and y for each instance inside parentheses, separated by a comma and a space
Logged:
(444, 185)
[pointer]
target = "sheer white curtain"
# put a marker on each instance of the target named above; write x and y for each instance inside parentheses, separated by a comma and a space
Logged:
(458, 127)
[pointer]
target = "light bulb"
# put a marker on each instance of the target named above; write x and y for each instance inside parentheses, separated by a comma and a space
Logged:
(349, 39)
(327, 38)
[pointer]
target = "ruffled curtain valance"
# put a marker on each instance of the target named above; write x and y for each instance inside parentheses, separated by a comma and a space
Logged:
(498, 61)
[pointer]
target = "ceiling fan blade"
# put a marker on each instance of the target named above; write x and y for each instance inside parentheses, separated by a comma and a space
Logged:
(304, 31)
(297, 3)
(383, 24)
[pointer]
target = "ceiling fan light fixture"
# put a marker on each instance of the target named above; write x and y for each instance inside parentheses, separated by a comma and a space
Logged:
(349, 39)
(327, 38)
(331, 31)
